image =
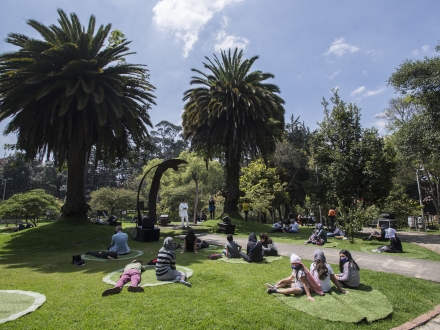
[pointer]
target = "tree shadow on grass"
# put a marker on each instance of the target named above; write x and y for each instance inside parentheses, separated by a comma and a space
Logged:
(50, 248)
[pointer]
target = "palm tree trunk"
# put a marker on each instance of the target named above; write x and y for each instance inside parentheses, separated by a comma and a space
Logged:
(232, 182)
(76, 206)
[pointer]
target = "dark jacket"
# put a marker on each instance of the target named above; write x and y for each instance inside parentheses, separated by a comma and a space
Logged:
(254, 249)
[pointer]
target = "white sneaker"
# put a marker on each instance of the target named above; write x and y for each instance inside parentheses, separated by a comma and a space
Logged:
(269, 286)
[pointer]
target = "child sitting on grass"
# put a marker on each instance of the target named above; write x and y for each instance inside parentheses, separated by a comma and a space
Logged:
(132, 272)
(349, 276)
(323, 272)
(298, 283)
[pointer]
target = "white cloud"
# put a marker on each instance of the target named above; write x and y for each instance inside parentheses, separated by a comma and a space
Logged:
(225, 41)
(375, 92)
(425, 48)
(339, 48)
(299, 76)
(381, 126)
(358, 90)
(375, 54)
(186, 19)
(334, 74)
(365, 72)
(415, 52)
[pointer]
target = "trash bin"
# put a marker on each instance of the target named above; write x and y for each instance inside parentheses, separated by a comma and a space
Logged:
(421, 223)
(411, 222)
(164, 220)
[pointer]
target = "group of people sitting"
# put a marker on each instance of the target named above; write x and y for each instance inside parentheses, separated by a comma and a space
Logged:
(302, 281)
(386, 234)
(165, 270)
(255, 249)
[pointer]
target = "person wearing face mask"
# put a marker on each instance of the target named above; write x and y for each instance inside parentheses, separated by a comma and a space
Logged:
(349, 276)
(323, 272)
(298, 283)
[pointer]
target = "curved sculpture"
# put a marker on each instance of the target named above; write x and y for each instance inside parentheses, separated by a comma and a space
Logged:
(154, 188)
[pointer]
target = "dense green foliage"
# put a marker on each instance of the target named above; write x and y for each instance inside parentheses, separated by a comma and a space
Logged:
(231, 115)
(114, 200)
(353, 164)
(29, 205)
(67, 93)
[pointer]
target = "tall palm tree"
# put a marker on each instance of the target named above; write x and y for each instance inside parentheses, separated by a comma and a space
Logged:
(67, 93)
(232, 115)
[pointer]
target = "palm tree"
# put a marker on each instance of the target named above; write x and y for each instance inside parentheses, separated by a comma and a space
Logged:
(232, 115)
(67, 93)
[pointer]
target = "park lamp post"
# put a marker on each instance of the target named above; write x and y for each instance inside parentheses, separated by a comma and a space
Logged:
(4, 187)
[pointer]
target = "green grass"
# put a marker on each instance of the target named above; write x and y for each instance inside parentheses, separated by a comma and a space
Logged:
(224, 295)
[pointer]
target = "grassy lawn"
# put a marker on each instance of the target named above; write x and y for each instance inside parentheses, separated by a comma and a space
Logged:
(224, 295)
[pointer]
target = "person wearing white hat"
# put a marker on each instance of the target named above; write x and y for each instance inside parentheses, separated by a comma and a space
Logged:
(298, 283)
(395, 243)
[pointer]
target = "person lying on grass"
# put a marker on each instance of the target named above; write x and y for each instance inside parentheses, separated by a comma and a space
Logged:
(104, 254)
(298, 283)
(395, 244)
(380, 236)
(323, 272)
(349, 276)
(166, 264)
(132, 272)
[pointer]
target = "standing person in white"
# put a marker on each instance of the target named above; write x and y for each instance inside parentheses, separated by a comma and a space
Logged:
(183, 212)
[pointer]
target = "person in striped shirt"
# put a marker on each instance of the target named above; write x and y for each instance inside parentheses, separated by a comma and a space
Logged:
(166, 264)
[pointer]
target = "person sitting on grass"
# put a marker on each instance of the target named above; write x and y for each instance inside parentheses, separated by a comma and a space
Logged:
(119, 243)
(349, 276)
(395, 244)
(232, 248)
(293, 228)
(132, 272)
(298, 283)
(319, 237)
(277, 227)
(269, 247)
(323, 272)
(190, 242)
(254, 249)
(337, 232)
(166, 264)
(380, 236)
(104, 254)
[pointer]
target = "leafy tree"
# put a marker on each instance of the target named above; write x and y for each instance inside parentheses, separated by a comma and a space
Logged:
(176, 185)
(233, 114)
(399, 111)
(19, 172)
(29, 205)
(263, 188)
(291, 159)
(418, 145)
(113, 199)
(67, 93)
(353, 164)
(167, 140)
(420, 78)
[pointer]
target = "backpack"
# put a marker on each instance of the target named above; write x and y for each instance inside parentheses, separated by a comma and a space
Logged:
(215, 256)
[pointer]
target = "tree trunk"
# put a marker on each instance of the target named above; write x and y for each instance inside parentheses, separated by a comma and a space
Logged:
(232, 182)
(76, 206)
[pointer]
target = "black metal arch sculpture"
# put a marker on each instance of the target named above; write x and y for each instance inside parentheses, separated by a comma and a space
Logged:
(154, 189)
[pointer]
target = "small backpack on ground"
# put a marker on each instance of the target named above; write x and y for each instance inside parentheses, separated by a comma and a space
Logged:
(215, 256)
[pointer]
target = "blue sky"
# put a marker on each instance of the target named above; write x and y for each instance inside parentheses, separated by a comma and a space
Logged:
(310, 46)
